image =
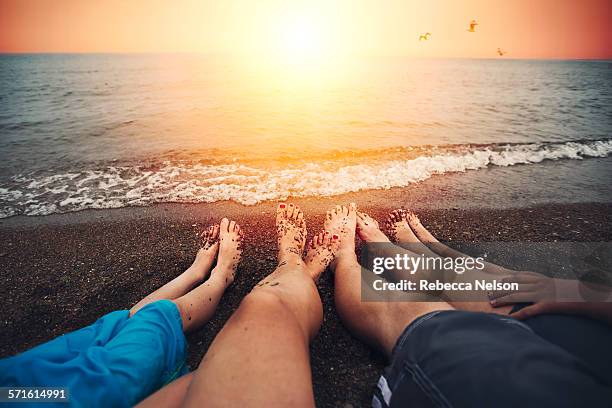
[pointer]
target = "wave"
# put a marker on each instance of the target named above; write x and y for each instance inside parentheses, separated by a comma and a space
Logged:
(192, 182)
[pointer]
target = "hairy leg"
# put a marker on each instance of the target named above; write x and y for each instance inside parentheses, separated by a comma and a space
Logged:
(193, 276)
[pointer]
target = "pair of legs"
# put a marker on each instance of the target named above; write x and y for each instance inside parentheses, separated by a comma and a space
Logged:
(381, 323)
(261, 356)
(125, 356)
(196, 296)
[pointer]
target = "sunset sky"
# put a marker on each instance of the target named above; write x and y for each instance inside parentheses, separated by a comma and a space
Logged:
(290, 29)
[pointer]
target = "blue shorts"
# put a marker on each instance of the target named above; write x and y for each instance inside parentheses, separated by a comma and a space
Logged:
(467, 359)
(115, 362)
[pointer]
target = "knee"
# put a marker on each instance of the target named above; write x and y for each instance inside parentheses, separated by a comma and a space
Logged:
(298, 311)
(263, 301)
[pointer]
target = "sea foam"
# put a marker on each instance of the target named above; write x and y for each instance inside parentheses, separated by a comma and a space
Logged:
(189, 182)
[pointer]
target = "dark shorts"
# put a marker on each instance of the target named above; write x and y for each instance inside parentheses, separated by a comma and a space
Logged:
(467, 359)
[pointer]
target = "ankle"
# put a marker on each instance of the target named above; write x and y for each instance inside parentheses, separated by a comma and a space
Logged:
(375, 236)
(343, 257)
(289, 257)
(196, 273)
(222, 275)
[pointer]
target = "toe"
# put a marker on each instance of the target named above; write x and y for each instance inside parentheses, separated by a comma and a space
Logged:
(338, 210)
(232, 225)
(328, 215)
(290, 209)
(352, 208)
(224, 225)
(345, 210)
(281, 210)
(215, 231)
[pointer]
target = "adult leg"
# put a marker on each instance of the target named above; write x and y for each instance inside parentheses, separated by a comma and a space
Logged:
(423, 235)
(369, 231)
(377, 323)
(193, 276)
(399, 231)
(261, 356)
(171, 396)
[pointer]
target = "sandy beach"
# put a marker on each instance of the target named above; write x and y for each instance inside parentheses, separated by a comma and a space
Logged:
(64, 271)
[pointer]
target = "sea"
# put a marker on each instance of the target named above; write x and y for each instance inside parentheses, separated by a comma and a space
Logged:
(91, 131)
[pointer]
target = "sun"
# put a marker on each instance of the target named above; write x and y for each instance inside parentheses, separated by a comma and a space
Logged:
(302, 40)
(297, 47)
(301, 37)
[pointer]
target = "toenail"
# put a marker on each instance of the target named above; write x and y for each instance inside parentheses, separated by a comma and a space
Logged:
(282, 206)
(335, 236)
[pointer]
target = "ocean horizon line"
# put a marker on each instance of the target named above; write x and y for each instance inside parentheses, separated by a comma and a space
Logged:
(230, 55)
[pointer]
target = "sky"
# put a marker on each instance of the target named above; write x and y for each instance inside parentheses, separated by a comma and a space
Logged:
(566, 29)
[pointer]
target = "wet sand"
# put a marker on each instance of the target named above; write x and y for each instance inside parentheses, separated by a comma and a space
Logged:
(62, 272)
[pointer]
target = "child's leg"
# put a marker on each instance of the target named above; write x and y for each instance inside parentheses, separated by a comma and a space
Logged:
(193, 276)
(150, 350)
(198, 305)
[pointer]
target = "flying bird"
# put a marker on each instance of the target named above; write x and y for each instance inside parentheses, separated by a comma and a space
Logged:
(473, 25)
(501, 52)
(424, 37)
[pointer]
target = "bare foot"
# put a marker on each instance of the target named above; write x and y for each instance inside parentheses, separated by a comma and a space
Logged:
(420, 231)
(398, 228)
(320, 252)
(291, 232)
(206, 255)
(368, 229)
(442, 250)
(342, 221)
(230, 249)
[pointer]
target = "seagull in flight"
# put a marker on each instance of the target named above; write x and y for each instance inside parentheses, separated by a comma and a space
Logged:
(424, 37)
(473, 25)
(501, 52)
